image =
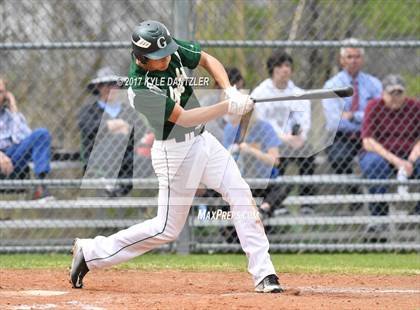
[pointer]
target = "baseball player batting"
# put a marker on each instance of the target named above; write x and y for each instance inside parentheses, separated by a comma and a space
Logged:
(183, 156)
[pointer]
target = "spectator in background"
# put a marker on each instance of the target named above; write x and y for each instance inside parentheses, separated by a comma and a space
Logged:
(235, 77)
(260, 146)
(19, 144)
(107, 134)
(347, 120)
(391, 138)
(291, 120)
(258, 154)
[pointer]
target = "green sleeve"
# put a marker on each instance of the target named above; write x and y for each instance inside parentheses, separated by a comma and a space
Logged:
(190, 53)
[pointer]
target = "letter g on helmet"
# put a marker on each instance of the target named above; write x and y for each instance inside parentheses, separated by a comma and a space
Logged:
(161, 42)
(151, 39)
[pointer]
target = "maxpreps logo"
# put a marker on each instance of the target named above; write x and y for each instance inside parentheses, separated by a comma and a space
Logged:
(204, 215)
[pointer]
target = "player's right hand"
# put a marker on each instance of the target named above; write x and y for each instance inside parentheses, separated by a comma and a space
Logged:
(239, 103)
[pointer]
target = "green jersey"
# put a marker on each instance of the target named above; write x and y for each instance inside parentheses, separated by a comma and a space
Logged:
(154, 90)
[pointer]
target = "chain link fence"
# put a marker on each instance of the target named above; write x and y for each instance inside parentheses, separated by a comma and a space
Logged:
(100, 174)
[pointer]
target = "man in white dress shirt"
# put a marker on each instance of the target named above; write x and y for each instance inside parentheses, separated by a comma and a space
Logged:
(291, 121)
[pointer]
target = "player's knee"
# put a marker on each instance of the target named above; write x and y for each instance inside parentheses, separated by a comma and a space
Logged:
(170, 235)
(239, 196)
(241, 188)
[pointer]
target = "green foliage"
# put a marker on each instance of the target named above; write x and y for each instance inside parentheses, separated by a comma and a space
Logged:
(242, 20)
(412, 84)
(389, 18)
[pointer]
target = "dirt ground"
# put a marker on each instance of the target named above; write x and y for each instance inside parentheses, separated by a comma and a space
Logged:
(131, 289)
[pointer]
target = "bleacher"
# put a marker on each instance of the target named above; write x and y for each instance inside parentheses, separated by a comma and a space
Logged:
(323, 231)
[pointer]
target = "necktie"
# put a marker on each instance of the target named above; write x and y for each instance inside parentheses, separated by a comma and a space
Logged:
(355, 98)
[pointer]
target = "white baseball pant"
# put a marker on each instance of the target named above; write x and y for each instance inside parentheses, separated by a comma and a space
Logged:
(180, 168)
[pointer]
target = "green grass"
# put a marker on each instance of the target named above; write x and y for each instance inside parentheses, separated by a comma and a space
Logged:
(392, 264)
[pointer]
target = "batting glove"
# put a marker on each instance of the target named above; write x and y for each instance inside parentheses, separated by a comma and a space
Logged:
(239, 103)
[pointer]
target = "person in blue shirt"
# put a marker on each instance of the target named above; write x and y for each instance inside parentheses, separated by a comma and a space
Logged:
(260, 143)
(257, 155)
(19, 144)
(346, 115)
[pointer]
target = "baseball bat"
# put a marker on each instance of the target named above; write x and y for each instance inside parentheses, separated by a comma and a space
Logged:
(304, 95)
(312, 94)
(243, 127)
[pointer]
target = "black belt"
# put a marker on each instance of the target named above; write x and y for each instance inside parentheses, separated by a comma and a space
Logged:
(197, 131)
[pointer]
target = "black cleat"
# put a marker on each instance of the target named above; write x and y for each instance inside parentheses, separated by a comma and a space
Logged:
(78, 266)
(270, 284)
